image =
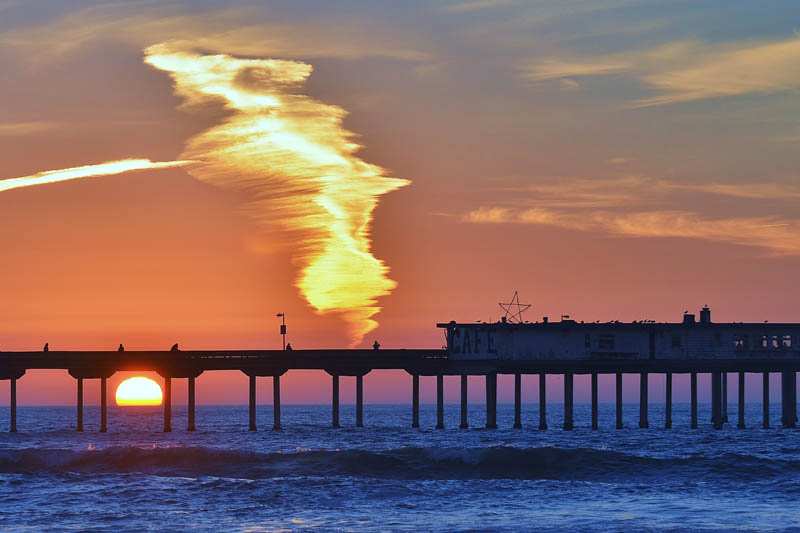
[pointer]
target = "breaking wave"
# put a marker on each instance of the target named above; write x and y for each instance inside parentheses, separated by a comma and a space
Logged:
(401, 463)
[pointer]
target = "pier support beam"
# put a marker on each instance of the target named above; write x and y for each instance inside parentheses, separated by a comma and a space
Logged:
(542, 401)
(79, 406)
(491, 401)
(643, 401)
(190, 406)
(414, 401)
(335, 400)
(360, 401)
(517, 401)
(568, 397)
(716, 399)
(668, 402)
(740, 411)
(765, 400)
(619, 401)
(788, 399)
(167, 405)
(594, 401)
(12, 426)
(440, 402)
(276, 403)
(464, 400)
(252, 403)
(693, 400)
(103, 405)
(724, 397)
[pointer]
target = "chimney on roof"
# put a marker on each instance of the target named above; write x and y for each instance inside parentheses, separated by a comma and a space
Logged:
(705, 315)
(545, 320)
(688, 319)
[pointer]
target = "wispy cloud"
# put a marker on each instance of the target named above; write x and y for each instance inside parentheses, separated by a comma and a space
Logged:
(19, 129)
(686, 71)
(109, 168)
(477, 5)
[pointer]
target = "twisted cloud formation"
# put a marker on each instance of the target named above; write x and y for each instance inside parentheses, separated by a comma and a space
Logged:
(290, 155)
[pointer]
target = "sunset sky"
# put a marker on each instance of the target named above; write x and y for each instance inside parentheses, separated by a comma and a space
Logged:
(181, 172)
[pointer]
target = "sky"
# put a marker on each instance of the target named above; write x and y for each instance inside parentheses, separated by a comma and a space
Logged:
(183, 171)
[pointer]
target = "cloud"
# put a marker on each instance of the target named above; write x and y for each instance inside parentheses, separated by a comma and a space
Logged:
(109, 168)
(18, 129)
(686, 71)
(635, 206)
(290, 155)
(477, 5)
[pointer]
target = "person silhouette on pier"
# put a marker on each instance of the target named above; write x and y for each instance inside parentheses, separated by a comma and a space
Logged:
(174, 348)
(46, 347)
(121, 348)
(376, 346)
(289, 347)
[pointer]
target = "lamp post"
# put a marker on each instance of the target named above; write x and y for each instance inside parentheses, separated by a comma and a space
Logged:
(282, 316)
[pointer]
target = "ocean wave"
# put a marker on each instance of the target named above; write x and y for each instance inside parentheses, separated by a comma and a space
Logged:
(402, 463)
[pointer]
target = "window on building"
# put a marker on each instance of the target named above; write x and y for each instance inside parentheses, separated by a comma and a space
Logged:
(588, 341)
(740, 342)
(764, 342)
(776, 342)
(787, 341)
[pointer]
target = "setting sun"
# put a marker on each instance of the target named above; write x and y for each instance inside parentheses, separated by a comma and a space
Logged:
(138, 391)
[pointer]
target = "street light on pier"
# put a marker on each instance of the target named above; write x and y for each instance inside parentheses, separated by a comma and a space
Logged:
(282, 316)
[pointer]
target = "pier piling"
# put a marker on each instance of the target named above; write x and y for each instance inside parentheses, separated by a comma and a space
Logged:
(643, 401)
(542, 401)
(491, 400)
(276, 403)
(716, 399)
(464, 400)
(568, 397)
(619, 400)
(13, 406)
(765, 400)
(252, 403)
(335, 401)
(693, 400)
(439, 401)
(668, 402)
(167, 405)
(360, 401)
(788, 399)
(103, 405)
(190, 407)
(79, 405)
(414, 401)
(517, 401)
(594, 401)
(740, 411)
(724, 397)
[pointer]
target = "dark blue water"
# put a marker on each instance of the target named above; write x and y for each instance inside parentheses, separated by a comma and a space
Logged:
(387, 476)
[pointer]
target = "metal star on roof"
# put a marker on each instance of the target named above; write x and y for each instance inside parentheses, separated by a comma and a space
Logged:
(514, 309)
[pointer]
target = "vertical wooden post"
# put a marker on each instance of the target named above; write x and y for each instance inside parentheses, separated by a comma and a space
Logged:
(724, 397)
(620, 424)
(716, 399)
(79, 402)
(103, 405)
(464, 401)
(517, 401)
(694, 400)
(643, 401)
(439, 401)
(13, 406)
(276, 403)
(167, 405)
(568, 396)
(788, 399)
(594, 401)
(414, 400)
(740, 412)
(668, 402)
(491, 401)
(252, 402)
(335, 401)
(765, 400)
(360, 401)
(190, 408)
(542, 401)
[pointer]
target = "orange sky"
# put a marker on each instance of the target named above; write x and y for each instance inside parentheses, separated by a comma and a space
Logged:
(621, 161)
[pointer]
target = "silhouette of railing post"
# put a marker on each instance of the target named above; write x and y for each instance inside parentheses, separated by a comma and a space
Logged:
(190, 407)
(517, 401)
(740, 412)
(335, 400)
(439, 401)
(13, 406)
(620, 424)
(103, 404)
(79, 405)
(251, 403)
(167, 404)
(668, 402)
(276, 402)
(693, 386)
(594, 402)
(765, 400)
(568, 396)
(643, 401)
(414, 400)
(464, 400)
(542, 401)
(491, 400)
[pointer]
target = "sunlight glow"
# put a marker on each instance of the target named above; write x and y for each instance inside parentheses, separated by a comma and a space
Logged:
(290, 155)
(138, 390)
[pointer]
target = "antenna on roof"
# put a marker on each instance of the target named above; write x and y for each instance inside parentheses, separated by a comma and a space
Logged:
(513, 309)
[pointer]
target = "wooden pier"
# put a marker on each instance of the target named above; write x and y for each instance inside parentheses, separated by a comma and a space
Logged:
(170, 365)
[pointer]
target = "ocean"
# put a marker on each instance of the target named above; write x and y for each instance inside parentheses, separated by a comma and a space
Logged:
(387, 476)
